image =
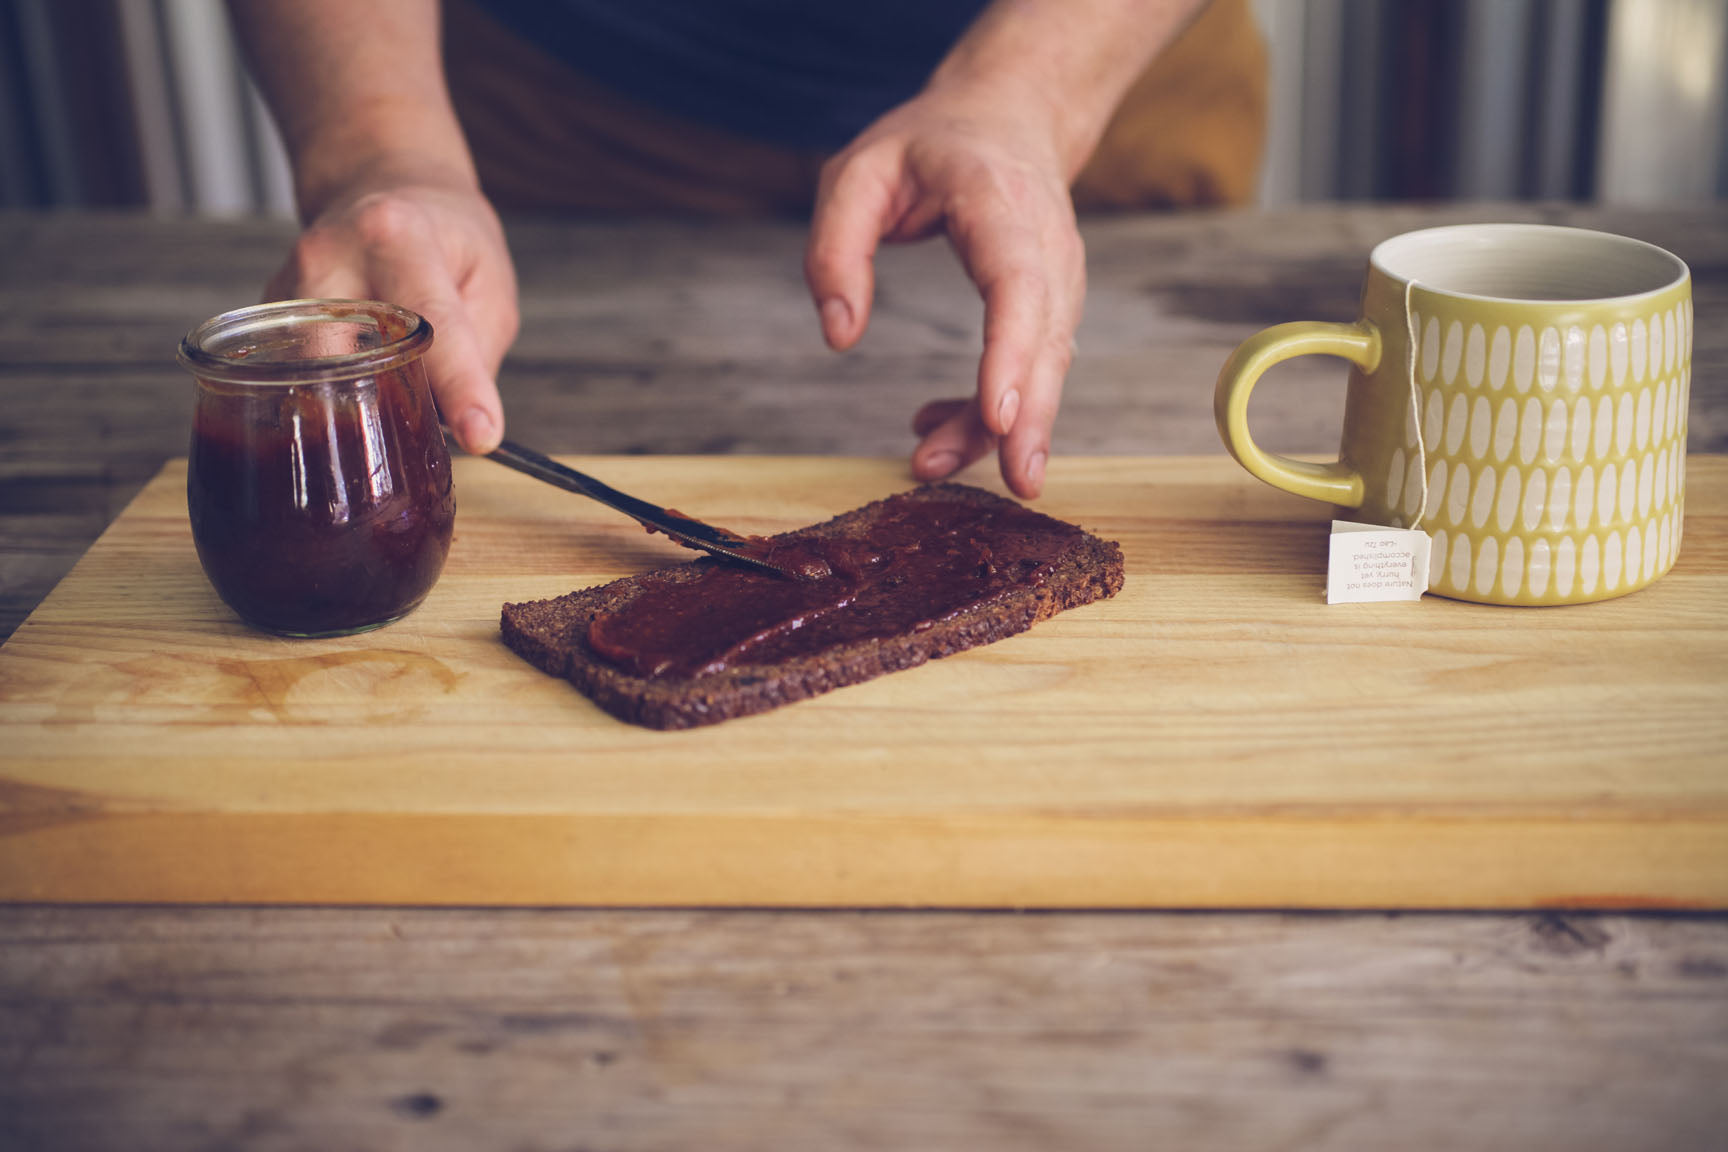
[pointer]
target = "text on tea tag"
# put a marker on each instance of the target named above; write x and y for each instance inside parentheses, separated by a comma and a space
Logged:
(1370, 562)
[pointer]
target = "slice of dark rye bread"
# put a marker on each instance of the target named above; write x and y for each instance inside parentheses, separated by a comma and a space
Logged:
(553, 634)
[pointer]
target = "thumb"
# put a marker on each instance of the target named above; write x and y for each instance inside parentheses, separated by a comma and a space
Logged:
(460, 373)
(466, 392)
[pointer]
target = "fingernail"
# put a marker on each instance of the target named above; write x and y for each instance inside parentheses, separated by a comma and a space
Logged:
(940, 464)
(836, 319)
(477, 432)
(1035, 468)
(1007, 410)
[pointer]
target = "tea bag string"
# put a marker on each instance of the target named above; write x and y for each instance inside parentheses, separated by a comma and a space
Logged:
(1416, 403)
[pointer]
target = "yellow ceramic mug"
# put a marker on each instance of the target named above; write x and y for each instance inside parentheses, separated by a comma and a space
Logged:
(1519, 392)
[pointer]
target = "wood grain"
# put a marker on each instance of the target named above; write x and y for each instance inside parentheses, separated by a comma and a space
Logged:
(1214, 736)
(666, 338)
(280, 1029)
(143, 1028)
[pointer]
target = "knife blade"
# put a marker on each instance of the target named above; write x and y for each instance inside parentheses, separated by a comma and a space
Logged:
(686, 530)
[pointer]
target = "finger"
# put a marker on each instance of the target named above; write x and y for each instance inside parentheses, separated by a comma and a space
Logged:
(1031, 272)
(854, 208)
(318, 269)
(953, 444)
(1016, 318)
(936, 412)
(458, 364)
(1001, 254)
(488, 288)
(490, 300)
(1026, 450)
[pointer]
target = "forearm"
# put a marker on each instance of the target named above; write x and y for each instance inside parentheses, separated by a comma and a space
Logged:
(1066, 63)
(356, 89)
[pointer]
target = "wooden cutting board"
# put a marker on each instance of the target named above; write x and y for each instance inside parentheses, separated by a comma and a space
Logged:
(1216, 736)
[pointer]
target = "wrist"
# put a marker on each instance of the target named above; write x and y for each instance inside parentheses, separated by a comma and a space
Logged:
(354, 95)
(1060, 66)
(1020, 102)
(343, 162)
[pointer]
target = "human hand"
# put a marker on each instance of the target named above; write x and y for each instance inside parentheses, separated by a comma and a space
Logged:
(435, 247)
(985, 168)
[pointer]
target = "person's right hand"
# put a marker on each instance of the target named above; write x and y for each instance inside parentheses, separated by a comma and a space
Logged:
(438, 249)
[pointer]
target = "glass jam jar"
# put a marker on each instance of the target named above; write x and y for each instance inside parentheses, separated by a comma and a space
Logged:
(318, 481)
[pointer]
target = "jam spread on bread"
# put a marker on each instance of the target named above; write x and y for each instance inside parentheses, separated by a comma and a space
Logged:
(920, 564)
(917, 576)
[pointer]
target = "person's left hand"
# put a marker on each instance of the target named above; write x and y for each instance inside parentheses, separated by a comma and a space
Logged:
(983, 167)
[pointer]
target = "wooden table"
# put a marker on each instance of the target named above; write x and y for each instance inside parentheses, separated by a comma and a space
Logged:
(243, 1027)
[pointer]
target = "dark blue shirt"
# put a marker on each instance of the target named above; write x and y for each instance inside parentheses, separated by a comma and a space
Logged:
(803, 73)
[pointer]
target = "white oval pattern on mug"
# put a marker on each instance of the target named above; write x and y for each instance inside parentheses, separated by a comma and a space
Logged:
(1567, 483)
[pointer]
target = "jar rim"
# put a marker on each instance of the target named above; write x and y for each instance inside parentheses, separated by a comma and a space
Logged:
(199, 352)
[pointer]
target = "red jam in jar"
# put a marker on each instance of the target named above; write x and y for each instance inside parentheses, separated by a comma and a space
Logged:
(318, 482)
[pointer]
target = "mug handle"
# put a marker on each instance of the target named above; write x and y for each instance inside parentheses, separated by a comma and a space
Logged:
(1333, 483)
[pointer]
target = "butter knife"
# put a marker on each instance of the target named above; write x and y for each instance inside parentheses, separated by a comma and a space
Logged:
(685, 530)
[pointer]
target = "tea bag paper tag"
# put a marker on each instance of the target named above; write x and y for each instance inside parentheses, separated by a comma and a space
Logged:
(1370, 562)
